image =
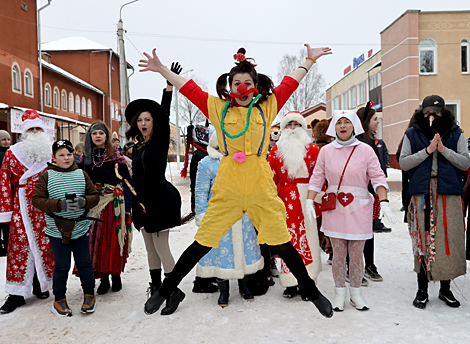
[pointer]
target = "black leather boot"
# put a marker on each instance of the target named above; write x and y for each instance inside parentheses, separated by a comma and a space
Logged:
(37, 289)
(104, 285)
(224, 288)
(445, 294)
(153, 303)
(204, 285)
(421, 298)
(243, 289)
(117, 283)
(12, 303)
(156, 278)
(173, 302)
(322, 303)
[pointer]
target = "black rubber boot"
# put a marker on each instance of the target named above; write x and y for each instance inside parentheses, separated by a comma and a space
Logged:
(173, 302)
(104, 285)
(204, 285)
(156, 278)
(445, 294)
(117, 283)
(224, 288)
(422, 296)
(37, 289)
(243, 289)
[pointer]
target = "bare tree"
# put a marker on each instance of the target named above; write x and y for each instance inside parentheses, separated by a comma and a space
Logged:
(311, 89)
(188, 112)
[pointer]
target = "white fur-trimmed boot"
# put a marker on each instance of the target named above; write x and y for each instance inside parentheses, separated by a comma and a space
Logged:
(357, 300)
(339, 300)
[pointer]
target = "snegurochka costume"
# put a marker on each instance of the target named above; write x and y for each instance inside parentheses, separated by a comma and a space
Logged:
(244, 185)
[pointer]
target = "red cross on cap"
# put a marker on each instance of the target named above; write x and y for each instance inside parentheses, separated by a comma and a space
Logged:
(343, 112)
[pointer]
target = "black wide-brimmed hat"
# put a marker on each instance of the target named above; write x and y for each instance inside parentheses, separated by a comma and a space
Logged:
(140, 105)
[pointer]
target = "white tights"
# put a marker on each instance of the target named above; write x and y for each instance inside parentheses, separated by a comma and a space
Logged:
(341, 247)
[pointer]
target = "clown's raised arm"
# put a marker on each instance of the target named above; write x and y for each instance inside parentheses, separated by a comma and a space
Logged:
(313, 54)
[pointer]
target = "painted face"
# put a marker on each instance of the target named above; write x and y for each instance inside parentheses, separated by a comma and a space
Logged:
(34, 130)
(242, 78)
(293, 125)
(145, 124)
(374, 123)
(98, 137)
(63, 158)
(344, 129)
(5, 142)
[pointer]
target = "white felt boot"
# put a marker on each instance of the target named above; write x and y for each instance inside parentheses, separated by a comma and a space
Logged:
(339, 300)
(357, 300)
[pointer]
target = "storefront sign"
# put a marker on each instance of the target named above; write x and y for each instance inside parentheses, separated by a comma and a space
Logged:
(17, 123)
(358, 61)
(347, 70)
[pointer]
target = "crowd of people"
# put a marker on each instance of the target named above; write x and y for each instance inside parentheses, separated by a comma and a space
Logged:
(256, 195)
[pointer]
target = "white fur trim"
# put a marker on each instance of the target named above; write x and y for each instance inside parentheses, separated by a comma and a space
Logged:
(32, 123)
(349, 114)
(214, 154)
(198, 218)
(293, 116)
(6, 217)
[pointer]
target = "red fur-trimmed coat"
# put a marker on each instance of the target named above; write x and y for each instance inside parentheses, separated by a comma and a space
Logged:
(28, 246)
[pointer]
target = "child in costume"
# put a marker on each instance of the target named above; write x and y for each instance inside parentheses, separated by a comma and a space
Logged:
(242, 118)
(50, 196)
(238, 255)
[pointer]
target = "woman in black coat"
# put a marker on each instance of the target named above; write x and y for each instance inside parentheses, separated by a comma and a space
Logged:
(157, 206)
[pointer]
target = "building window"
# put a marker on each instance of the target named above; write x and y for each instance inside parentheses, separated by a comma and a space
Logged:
(89, 108)
(427, 56)
(352, 97)
(112, 110)
(15, 78)
(379, 79)
(83, 107)
(64, 100)
(28, 82)
(361, 90)
(465, 48)
(55, 97)
(344, 101)
(372, 82)
(335, 104)
(71, 102)
(77, 104)
(454, 107)
(47, 95)
(116, 113)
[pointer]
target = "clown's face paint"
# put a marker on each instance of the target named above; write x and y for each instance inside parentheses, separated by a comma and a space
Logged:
(238, 79)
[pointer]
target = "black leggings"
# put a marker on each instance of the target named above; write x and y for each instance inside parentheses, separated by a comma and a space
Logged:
(196, 251)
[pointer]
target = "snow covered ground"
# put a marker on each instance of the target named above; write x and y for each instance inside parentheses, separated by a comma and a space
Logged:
(119, 317)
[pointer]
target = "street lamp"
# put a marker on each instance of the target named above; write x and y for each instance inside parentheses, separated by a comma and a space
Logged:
(178, 127)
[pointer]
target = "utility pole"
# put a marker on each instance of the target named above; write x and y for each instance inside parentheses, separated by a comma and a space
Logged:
(123, 79)
(40, 55)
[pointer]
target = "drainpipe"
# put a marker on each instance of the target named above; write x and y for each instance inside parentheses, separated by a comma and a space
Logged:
(40, 55)
(110, 102)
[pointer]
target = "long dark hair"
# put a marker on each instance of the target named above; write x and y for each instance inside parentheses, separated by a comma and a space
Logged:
(264, 82)
(410, 123)
(134, 131)
(365, 114)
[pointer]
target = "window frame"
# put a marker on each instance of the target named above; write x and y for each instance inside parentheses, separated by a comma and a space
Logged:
(54, 98)
(434, 51)
(465, 43)
(83, 107)
(28, 84)
(15, 69)
(64, 100)
(71, 102)
(352, 91)
(335, 103)
(344, 101)
(364, 98)
(77, 104)
(47, 95)
(89, 111)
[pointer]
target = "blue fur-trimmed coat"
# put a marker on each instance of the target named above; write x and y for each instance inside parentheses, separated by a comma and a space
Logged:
(238, 253)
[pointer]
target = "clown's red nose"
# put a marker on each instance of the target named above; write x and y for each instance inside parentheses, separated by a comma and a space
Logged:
(241, 88)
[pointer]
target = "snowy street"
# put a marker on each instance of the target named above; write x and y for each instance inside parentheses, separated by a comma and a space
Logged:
(271, 318)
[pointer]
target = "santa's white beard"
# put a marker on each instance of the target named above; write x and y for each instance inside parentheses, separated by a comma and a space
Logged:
(292, 147)
(36, 147)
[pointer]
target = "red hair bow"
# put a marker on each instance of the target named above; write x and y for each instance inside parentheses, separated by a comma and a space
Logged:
(239, 57)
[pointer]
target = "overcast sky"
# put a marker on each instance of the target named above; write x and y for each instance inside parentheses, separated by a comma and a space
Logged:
(203, 35)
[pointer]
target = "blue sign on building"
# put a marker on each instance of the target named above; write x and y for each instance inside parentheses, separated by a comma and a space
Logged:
(358, 61)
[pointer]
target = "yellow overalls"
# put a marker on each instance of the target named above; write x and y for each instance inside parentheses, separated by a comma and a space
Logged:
(245, 187)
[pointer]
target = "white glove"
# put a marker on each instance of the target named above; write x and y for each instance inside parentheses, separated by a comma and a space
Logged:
(385, 210)
(310, 212)
(198, 219)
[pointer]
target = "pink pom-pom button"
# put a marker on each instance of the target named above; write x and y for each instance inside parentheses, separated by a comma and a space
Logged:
(239, 157)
